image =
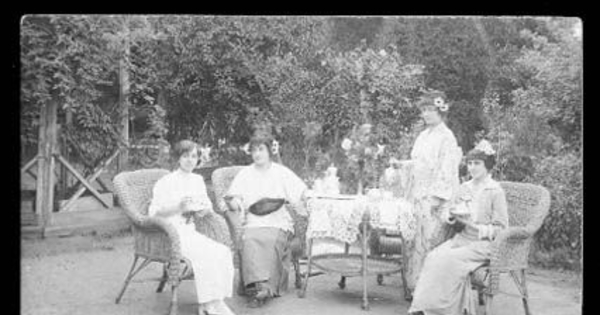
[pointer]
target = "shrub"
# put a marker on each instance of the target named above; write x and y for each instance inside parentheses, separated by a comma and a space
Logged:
(558, 242)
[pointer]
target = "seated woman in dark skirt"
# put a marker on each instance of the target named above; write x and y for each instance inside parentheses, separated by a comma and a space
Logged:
(265, 249)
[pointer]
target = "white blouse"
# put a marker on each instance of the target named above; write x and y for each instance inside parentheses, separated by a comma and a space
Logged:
(436, 157)
(252, 184)
(169, 191)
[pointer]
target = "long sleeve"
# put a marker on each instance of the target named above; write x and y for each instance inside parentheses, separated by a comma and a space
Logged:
(499, 216)
(236, 188)
(159, 198)
(294, 188)
(202, 194)
(446, 174)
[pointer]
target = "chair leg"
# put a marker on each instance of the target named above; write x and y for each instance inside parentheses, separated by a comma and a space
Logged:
(302, 292)
(407, 293)
(163, 280)
(522, 286)
(130, 276)
(241, 290)
(296, 263)
(173, 306)
(488, 298)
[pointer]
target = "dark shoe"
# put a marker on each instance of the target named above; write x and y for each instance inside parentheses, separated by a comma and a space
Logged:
(408, 295)
(263, 294)
(255, 303)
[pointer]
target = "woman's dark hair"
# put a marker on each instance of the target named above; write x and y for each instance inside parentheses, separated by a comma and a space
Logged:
(182, 147)
(488, 160)
(263, 138)
(427, 101)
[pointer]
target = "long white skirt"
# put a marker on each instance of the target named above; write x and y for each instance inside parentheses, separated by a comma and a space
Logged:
(212, 263)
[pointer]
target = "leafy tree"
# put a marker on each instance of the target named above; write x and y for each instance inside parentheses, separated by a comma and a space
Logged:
(539, 133)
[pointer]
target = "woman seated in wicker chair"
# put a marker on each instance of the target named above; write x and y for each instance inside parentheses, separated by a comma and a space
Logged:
(263, 193)
(179, 197)
(478, 212)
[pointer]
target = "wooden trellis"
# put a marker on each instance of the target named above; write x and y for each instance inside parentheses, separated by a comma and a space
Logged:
(48, 157)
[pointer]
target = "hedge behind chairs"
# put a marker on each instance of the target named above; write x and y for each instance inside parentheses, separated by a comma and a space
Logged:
(156, 240)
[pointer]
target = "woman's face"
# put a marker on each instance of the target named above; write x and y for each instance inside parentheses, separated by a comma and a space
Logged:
(477, 169)
(260, 154)
(431, 116)
(188, 161)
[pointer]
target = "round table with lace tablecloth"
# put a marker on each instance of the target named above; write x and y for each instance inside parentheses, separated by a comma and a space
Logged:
(350, 219)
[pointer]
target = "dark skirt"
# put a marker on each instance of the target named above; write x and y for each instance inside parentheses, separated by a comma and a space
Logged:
(266, 257)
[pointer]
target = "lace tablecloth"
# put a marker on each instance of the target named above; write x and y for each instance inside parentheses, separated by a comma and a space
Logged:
(339, 217)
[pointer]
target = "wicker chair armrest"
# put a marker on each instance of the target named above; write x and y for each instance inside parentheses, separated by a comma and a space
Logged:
(514, 233)
(510, 248)
(174, 269)
(214, 226)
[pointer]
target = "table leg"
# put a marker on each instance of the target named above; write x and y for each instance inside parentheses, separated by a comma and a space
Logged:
(302, 292)
(365, 237)
(342, 283)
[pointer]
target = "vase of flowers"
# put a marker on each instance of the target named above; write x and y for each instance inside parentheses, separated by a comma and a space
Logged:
(362, 150)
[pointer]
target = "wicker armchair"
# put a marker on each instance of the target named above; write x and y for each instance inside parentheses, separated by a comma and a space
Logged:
(528, 205)
(155, 239)
(221, 180)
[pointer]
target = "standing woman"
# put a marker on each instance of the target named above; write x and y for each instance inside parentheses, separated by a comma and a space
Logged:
(265, 249)
(434, 164)
(175, 197)
(444, 286)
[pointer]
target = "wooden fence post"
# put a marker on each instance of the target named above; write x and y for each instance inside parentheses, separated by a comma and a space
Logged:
(46, 148)
(124, 108)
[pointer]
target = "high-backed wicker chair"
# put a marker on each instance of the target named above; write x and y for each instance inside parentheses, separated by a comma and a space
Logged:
(155, 239)
(528, 205)
(221, 180)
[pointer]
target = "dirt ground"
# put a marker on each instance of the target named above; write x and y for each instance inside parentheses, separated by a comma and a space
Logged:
(83, 274)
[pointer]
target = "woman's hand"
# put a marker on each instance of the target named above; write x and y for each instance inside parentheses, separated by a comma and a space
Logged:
(187, 204)
(234, 203)
(435, 201)
(447, 216)
(201, 213)
(397, 164)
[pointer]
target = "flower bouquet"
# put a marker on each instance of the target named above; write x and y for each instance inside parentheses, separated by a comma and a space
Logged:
(362, 152)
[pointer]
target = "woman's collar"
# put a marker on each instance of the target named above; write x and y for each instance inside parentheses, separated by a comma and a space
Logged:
(256, 167)
(488, 183)
(437, 127)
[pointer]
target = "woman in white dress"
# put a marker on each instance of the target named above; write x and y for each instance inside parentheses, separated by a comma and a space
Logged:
(444, 286)
(265, 249)
(175, 197)
(433, 168)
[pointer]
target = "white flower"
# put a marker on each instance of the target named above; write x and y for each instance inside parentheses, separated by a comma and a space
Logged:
(380, 149)
(275, 147)
(368, 151)
(246, 148)
(205, 154)
(440, 104)
(382, 53)
(346, 144)
(485, 147)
